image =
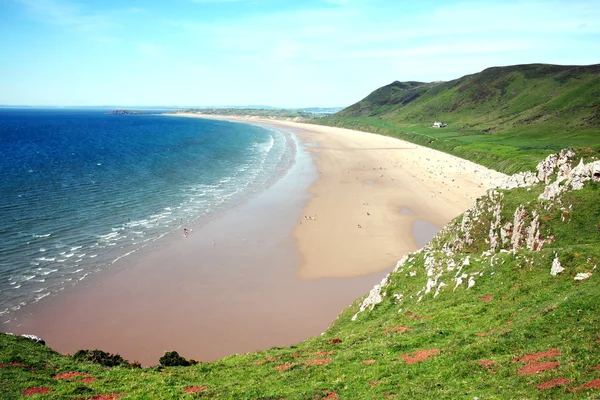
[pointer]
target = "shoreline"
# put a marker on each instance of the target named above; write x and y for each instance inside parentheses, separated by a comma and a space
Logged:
(376, 198)
(262, 275)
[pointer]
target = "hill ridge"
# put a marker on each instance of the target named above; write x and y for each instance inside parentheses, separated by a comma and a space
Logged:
(507, 118)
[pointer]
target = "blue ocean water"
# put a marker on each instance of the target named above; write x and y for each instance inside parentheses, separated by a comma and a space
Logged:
(82, 189)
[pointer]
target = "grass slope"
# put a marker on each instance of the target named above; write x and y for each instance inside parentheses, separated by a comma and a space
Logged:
(506, 118)
(454, 320)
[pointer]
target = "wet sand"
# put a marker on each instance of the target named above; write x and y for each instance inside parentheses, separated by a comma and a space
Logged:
(261, 275)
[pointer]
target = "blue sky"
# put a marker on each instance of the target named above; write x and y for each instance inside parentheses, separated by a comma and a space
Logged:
(270, 52)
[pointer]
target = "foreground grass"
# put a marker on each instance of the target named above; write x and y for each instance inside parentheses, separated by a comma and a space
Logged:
(467, 342)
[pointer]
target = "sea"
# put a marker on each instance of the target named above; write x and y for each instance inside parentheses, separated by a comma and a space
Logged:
(83, 189)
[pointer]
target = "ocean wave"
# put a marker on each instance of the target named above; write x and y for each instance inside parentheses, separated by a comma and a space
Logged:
(46, 272)
(266, 147)
(123, 256)
(38, 298)
(109, 236)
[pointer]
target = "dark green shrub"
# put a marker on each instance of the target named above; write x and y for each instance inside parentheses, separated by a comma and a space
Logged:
(173, 359)
(101, 357)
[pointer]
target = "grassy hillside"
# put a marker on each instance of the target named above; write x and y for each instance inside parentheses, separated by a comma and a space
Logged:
(475, 314)
(507, 118)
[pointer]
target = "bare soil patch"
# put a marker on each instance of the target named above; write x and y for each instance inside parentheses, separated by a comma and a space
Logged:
(69, 375)
(487, 298)
(483, 334)
(336, 340)
(368, 362)
(418, 356)
(36, 390)
(536, 368)
(553, 383)
(595, 384)
(195, 389)
(536, 356)
(15, 364)
(284, 367)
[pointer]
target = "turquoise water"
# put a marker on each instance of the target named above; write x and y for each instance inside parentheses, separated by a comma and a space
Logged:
(82, 190)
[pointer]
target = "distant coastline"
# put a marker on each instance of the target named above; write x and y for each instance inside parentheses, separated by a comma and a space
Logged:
(126, 112)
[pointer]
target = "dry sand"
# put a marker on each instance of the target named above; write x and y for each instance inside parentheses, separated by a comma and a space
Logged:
(233, 285)
(390, 188)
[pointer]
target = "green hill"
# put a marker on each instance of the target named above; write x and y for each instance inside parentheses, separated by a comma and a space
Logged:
(507, 118)
(502, 304)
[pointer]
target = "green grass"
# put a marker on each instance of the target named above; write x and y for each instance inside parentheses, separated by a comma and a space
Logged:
(529, 311)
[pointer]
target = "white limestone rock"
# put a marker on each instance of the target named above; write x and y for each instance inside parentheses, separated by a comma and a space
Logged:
(556, 267)
(573, 180)
(34, 338)
(582, 276)
(471, 282)
(518, 227)
(373, 298)
(521, 179)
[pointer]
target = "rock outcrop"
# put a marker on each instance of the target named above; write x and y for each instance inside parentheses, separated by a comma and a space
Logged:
(444, 261)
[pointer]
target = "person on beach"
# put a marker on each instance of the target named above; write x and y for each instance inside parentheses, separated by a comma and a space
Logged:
(185, 232)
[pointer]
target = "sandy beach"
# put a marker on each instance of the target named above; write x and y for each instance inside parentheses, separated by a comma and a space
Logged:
(376, 198)
(274, 270)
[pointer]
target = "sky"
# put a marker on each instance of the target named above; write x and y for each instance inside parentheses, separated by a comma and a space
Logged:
(308, 53)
